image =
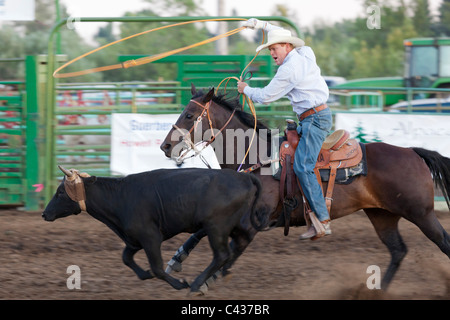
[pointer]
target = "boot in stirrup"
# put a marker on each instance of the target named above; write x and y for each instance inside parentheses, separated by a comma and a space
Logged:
(312, 233)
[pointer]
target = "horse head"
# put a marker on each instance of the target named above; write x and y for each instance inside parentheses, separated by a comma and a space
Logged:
(192, 123)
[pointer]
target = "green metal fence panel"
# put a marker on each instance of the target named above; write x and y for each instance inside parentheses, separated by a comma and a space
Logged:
(19, 142)
(12, 147)
(33, 199)
(206, 71)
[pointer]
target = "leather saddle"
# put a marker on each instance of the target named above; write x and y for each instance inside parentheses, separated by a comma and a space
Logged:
(337, 152)
(337, 149)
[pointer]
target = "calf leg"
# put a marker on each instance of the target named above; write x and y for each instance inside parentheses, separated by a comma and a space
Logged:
(221, 254)
(153, 252)
(386, 226)
(240, 241)
(128, 260)
(238, 244)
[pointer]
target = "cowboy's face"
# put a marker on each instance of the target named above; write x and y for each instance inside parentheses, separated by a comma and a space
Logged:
(279, 51)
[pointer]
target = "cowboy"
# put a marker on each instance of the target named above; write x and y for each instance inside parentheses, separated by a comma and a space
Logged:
(298, 78)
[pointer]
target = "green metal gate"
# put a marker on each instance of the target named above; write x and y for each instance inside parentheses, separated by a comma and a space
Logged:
(19, 164)
(12, 131)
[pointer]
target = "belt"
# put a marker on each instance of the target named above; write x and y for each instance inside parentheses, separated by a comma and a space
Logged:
(311, 111)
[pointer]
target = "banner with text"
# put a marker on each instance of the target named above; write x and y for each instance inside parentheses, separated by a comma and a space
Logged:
(431, 132)
(136, 140)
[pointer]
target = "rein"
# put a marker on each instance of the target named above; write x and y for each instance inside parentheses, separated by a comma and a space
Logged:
(186, 137)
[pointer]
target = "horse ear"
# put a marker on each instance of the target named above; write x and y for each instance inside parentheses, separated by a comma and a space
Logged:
(193, 90)
(209, 95)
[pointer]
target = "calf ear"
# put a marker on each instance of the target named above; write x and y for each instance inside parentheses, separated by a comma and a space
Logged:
(89, 180)
(193, 90)
(209, 96)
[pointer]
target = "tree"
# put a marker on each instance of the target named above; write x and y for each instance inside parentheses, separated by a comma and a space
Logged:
(444, 18)
(422, 18)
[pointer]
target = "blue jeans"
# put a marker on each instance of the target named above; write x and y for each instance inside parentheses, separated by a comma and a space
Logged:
(313, 129)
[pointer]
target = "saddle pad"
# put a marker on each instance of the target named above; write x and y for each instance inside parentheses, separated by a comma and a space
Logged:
(347, 175)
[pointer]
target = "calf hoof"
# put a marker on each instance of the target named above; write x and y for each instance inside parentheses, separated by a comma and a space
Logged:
(186, 284)
(145, 275)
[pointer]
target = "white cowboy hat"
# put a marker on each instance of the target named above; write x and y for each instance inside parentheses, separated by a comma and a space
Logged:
(281, 36)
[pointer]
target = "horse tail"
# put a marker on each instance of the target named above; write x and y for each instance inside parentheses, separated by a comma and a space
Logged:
(440, 170)
(258, 218)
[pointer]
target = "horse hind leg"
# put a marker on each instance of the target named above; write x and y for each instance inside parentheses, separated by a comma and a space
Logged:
(432, 228)
(386, 226)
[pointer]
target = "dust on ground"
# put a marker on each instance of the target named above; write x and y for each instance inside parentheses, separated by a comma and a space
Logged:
(35, 256)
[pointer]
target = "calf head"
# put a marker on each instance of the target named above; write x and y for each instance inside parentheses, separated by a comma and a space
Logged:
(69, 197)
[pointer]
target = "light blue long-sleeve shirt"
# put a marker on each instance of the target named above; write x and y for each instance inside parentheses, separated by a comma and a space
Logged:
(298, 78)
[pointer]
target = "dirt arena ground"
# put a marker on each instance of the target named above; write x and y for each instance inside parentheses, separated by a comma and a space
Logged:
(35, 255)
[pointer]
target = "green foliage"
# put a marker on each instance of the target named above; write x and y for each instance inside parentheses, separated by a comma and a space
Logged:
(347, 48)
(350, 49)
(443, 27)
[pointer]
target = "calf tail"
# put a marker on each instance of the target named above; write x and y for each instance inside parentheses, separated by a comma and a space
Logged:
(258, 216)
(439, 168)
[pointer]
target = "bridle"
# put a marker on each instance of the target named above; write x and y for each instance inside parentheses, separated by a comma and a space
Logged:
(187, 136)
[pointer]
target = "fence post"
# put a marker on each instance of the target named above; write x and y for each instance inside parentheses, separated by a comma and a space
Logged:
(32, 164)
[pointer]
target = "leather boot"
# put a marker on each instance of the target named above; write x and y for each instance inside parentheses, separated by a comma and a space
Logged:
(312, 234)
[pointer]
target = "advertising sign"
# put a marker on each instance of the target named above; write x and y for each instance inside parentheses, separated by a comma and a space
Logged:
(136, 140)
(431, 132)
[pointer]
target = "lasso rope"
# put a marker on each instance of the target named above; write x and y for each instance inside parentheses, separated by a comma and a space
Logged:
(148, 59)
(143, 60)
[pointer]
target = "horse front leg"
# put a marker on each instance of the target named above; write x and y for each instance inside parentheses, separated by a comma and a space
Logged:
(183, 252)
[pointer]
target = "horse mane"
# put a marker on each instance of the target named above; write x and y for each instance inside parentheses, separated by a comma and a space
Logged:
(233, 104)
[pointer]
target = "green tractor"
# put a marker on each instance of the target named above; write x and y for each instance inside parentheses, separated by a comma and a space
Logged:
(427, 65)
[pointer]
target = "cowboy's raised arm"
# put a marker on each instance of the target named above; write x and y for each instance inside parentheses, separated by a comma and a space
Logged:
(256, 24)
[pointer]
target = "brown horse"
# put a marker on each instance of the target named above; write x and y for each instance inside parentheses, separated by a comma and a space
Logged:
(399, 181)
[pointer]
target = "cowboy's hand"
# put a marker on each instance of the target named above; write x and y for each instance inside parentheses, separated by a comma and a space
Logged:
(241, 86)
(254, 24)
